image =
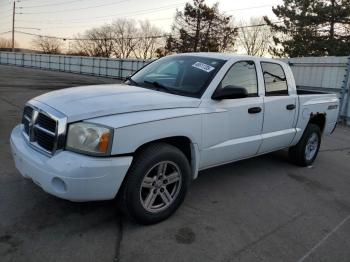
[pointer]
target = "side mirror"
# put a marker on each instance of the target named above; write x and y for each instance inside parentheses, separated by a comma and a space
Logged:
(230, 92)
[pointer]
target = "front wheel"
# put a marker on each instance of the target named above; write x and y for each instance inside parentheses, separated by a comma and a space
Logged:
(156, 183)
(305, 152)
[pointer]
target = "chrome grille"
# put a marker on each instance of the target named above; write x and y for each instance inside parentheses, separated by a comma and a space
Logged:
(44, 130)
(27, 118)
(46, 123)
(45, 140)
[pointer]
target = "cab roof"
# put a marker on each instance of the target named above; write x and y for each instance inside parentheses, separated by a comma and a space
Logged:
(226, 56)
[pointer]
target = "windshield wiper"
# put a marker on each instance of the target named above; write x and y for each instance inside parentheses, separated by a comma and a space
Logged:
(132, 82)
(159, 86)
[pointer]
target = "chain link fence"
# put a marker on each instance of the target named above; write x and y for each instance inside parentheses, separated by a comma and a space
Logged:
(97, 66)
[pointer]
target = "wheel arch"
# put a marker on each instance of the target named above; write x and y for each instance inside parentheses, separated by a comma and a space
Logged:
(318, 119)
(184, 144)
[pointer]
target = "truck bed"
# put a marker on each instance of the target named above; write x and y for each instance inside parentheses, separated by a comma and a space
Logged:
(303, 91)
(312, 91)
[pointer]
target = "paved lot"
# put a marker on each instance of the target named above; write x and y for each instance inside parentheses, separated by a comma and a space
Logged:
(262, 209)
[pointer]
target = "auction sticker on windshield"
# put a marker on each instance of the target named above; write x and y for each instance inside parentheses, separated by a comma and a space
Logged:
(204, 67)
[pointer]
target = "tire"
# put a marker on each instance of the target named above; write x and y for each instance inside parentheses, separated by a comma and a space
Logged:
(149, 194)
(305, 152)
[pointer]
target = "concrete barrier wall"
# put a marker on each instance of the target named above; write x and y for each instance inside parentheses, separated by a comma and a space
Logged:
(98, 66)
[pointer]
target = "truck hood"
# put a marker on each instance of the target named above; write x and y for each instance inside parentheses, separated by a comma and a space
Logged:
(80, 103)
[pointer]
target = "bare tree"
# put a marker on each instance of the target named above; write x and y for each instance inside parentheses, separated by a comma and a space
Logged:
(6, 43)
(149, 40)
(95, 42)
(124, 31)
(122, 39)
(48, 45)
(255, 40)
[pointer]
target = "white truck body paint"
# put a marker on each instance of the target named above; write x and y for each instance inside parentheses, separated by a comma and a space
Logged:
(219, 131)
(94, 101)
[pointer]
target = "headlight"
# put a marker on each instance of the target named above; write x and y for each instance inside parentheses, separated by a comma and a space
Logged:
(89, 138)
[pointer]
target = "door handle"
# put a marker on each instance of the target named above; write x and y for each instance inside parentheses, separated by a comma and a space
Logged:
(254, 110)
(290, 107)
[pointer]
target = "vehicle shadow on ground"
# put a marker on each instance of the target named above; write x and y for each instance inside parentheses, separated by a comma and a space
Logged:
(219, 211)
(51, 224)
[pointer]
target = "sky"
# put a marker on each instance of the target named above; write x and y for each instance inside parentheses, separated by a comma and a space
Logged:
(66, 18)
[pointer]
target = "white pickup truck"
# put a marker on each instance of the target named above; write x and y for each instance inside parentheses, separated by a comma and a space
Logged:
(145, 140)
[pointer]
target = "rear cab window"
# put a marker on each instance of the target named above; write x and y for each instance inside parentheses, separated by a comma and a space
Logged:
(275, 79)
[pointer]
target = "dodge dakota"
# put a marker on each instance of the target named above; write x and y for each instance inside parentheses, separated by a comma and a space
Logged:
(143, 141)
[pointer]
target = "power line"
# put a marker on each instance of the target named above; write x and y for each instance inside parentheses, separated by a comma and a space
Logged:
(94, 39)
(86, 24)
(138, 12)
(158, 19)
(258, 25)
(135, 13)
(72, 10)
(116, 38)
(56, 4)
(3, 33)
(248, 8)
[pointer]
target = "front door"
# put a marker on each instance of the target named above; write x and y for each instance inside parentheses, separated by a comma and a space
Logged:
(234, 131)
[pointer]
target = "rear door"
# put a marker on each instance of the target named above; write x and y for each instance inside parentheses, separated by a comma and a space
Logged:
(280, 109)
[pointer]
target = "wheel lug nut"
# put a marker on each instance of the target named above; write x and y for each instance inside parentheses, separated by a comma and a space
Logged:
(165, 181)
(162, 190)
(154, 184)
(160, 177)
(155, 191)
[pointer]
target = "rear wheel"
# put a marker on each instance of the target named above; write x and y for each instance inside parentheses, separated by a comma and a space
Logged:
(156, 183)
(305, 152)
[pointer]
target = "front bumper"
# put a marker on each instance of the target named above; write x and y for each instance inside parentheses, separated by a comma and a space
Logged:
(69, 175)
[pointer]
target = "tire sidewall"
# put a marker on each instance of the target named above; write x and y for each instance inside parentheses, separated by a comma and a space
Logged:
(137, 173)
(312, 129)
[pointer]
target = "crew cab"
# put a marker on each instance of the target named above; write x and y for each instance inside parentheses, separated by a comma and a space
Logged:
(143, 141)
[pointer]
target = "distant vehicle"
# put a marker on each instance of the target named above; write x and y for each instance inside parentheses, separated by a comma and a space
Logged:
(145, 140)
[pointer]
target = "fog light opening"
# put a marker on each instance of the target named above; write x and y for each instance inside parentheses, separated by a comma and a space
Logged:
(58, 185)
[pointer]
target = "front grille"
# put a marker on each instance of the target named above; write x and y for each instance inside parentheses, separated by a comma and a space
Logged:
(41, 129)
(28, 111)
(26, 118)
(46, 122)
(44, 140)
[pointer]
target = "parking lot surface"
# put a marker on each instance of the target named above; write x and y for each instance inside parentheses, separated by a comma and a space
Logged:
(261, 209)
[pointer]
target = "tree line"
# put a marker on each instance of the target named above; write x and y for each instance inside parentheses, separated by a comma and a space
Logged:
(303, 28)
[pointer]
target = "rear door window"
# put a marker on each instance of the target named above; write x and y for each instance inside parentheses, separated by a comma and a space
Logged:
(275, 79)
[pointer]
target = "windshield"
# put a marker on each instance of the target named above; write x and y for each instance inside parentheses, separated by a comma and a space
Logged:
(183, 75)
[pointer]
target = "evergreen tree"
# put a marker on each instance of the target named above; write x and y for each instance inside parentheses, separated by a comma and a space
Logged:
(311, 28)
(200, 28)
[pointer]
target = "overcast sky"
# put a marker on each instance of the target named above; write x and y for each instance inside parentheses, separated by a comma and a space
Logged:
(66, 18)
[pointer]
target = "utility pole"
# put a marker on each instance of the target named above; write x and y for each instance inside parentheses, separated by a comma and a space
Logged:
(13, 26)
